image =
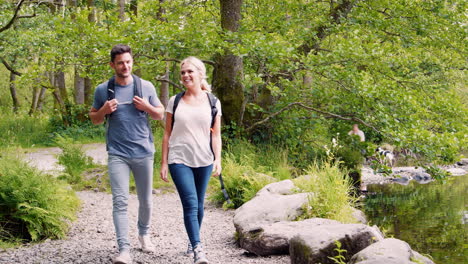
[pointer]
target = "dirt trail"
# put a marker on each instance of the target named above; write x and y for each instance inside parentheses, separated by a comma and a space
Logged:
(92, 239)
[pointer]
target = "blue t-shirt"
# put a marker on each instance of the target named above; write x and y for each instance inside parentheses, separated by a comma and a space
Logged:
(128, 133)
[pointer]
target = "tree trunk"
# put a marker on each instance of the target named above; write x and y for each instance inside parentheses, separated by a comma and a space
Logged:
(35, 98)
(59, 82)
(228, 71)
(79, 88)
(88, 88)
(14, 96)
(164, 88)
(122, 10)
(134, 7)
(161, 12)
(41, 98)
(92, 13)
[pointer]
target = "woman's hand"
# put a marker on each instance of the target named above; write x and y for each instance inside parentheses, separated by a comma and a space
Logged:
(163, 172)
(217, 168)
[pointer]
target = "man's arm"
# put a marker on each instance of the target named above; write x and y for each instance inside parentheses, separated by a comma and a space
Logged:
(97, 116)
(155, 112)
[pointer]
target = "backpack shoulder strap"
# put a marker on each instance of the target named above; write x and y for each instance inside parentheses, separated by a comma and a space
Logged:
(137, 90)
(111, 88)
(214, 110)
(174, 106)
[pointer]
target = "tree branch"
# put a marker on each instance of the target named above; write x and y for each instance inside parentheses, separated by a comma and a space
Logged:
(15, 16)
(325, 113)
(9, 67)
(171, 83)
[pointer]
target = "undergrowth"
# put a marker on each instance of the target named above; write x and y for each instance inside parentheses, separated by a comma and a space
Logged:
(73, 159)
(33, 205)
(330, 188)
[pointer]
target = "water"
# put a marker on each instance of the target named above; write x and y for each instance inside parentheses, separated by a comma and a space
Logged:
(432, 218)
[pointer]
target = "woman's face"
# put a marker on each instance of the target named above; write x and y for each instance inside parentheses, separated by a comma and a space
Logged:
(190, 76)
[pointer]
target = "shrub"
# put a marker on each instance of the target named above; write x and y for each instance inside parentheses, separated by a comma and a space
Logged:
(76, 125)
(241, 183)
(73, 159)
(330, 187)
(33, 205)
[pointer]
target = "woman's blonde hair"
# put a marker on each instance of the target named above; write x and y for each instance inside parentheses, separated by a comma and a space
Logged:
(197, 63)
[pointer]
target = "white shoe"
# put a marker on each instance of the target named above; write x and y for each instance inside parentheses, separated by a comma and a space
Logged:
(146, 244)
(189, 249)
(123, 258)
(199, 255)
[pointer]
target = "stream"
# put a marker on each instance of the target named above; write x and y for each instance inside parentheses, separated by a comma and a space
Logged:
(432, 217)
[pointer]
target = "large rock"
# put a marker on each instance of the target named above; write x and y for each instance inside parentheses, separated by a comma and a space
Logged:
(273, 203)
(317, 244)
(273, 239)
(389, 251)
(457, 171)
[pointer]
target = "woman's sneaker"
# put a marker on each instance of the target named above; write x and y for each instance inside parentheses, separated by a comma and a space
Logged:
(189, 249)
(199, 256)
(123, 258)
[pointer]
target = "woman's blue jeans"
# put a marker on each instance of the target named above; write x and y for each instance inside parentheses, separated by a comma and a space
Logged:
(119, 173)
(191, 184)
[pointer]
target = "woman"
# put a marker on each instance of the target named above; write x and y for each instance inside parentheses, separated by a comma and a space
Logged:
(191, 149)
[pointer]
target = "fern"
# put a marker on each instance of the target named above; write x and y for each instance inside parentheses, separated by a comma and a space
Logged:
(33, 201)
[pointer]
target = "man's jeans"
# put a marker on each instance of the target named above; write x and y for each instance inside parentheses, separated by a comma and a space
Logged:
(191, 184)
(119, 174)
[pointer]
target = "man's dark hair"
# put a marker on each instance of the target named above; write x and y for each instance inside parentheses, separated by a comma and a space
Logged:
(119, 49)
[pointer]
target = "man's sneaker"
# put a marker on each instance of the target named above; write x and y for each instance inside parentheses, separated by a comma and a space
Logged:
(189, 249)
(198, 255)
(123, 258)
(146, 244)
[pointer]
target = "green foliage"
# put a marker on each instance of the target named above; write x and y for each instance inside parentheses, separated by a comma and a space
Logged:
(75, 125)
(339, 258)
(22, 130)
(437, 173)
(33, 206)
(241, 181)
(379, 167)
(267, 159)
(73, 159)
(377, 61)
(330, 188)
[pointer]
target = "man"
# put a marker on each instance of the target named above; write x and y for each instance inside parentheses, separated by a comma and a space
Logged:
(357, 131)
(129, 145)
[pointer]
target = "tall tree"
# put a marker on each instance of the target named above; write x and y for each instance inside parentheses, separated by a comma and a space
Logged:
(228, 72)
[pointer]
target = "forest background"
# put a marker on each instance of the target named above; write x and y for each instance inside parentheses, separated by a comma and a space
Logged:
(293, 76)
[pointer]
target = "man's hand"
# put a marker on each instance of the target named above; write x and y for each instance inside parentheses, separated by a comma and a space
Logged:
(141, 104)
(110, 106)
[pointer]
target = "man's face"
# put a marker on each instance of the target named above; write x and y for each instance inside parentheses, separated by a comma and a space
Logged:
(122, 65)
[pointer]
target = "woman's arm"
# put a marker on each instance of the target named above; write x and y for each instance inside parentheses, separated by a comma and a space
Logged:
(165, 147)
(216, 144)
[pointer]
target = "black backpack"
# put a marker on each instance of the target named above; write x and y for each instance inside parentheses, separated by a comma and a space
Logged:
(136, 87)
(137, 90)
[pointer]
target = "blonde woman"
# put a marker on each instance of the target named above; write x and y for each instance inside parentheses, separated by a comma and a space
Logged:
(191, 148)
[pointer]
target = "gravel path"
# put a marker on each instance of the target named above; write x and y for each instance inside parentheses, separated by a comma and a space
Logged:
(92, 238)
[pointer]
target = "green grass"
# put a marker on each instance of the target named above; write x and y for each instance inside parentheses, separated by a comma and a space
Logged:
(22, 130)
(331, 188)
